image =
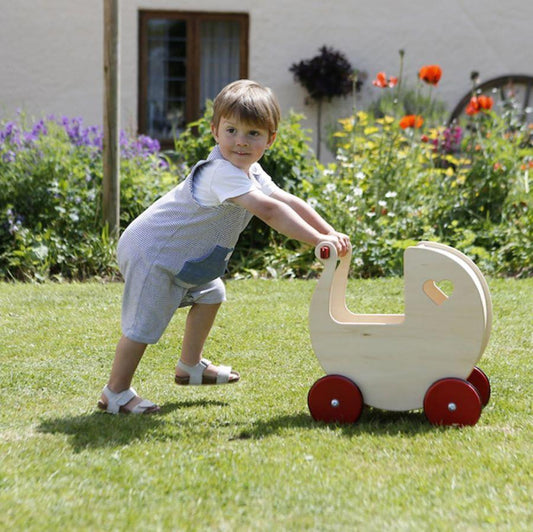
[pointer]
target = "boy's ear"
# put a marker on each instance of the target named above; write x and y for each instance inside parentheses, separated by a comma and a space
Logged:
(214, 132)
(272, 139)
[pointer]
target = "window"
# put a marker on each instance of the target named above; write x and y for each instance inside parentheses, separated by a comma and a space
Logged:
(186, 58)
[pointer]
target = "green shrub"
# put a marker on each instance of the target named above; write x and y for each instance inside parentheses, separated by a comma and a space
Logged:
(398, 180)
(50, 193)
(395, 181)
(50, 197)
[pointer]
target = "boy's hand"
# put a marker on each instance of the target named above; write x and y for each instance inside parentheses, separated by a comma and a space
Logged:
(339, 240)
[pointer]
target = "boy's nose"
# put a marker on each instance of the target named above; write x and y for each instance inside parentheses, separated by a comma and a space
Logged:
(241, 141)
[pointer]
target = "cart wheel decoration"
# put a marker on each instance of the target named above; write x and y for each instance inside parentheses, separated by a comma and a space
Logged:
(481, 384)
(452, 402)
(335, 399)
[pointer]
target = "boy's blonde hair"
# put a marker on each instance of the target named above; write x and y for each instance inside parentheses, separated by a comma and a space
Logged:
(250, 103)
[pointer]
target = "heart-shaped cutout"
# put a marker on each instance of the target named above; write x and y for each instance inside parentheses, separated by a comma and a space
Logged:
(438, 291)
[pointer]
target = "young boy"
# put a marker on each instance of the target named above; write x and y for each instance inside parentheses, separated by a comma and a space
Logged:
(174, 253)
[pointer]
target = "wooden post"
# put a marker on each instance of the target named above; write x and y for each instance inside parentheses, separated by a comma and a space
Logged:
(111, 148)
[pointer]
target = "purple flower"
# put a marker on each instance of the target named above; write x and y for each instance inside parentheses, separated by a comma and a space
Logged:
(90, 138)
(142, 146)
(10, 134)
(9, 156)
(39, 129)
(30, 138)
(449, 141)
(14, 222)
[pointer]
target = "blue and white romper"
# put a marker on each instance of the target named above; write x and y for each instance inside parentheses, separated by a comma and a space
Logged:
(175, 252)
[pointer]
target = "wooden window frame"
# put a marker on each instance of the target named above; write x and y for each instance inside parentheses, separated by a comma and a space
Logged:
(193, 20)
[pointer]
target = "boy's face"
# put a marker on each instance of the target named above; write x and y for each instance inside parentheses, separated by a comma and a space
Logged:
(240, 143)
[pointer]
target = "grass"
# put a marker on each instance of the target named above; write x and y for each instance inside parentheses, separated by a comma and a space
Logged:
(248, 456)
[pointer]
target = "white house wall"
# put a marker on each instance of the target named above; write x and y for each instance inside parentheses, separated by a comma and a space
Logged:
(51, 50)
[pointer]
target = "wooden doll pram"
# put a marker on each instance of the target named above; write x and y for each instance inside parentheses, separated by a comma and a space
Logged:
(424, 358)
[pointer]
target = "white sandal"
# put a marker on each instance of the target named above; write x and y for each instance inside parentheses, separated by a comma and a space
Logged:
(197, 374)
(116, 402)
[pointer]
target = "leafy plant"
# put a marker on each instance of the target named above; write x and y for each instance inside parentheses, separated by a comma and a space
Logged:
(325, 76)
(399, 176)
(50, 197)
(402, 178)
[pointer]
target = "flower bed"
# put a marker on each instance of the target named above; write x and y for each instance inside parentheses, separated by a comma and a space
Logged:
(50, 197)
(400, 175)
(400, 178)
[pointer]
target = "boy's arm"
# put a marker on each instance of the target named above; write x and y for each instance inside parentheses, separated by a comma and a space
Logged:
(304, 210)
(292, 217)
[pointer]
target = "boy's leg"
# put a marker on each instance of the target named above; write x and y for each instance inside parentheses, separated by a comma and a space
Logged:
(199, 322)
(127, 357)
(206, 301)
(197, 327)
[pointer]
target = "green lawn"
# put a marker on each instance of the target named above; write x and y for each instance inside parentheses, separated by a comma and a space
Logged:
(247, 456)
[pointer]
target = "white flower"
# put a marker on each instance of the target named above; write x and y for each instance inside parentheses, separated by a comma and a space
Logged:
(312, 202)
(330, 187)
(391, 194)
(357, 191)
(360, 175)
(371, 214)
(382, 203)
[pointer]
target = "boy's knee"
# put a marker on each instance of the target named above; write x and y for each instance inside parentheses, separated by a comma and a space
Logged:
(210, 294)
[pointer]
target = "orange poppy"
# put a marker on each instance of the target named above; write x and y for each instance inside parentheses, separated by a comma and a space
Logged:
(431, 74)
(479, 103)
(485, 102)
(382, 82)
(414, 121)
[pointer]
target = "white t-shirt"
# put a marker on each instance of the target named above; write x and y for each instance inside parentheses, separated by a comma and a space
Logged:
(213, 188)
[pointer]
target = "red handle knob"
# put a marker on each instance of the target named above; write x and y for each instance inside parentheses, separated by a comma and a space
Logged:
(324, 252)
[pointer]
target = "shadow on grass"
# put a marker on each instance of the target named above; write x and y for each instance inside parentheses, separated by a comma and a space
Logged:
(98, 429)
(372, 421)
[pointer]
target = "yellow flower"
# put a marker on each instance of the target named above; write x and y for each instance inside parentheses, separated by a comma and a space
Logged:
(453, 160)
(347, 124)
(386, 120)
(434, 133)
(362, 117)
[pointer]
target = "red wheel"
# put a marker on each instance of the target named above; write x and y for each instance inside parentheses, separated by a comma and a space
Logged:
(452, 402)
(481, 384)
(335, 399)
